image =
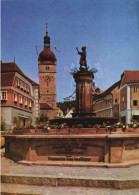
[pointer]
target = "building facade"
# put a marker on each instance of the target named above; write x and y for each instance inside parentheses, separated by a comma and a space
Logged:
(106, 104)
(129, 96)
(47, 79)
(17, 95)
(59, 113)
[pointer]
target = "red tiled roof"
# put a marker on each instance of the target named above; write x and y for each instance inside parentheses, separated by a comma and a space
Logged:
(108, 91)
(131, 76)
(9, 67)
(7, 79)
(45, 106)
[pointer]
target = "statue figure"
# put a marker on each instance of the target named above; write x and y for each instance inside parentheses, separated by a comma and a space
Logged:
(83, 57)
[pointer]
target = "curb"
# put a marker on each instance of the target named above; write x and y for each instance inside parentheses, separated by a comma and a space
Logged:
(64, 181)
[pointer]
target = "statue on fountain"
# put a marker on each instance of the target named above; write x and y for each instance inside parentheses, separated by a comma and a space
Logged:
(82, 62)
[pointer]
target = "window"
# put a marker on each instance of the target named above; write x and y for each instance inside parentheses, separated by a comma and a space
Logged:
(135, 102)
(21, 85)
(17, 82)
(135, 89)
(15, 97)
(115, 100)
(47, 67)
(29, 103)
(4, 95)
(20, 99)
(25, 87)
(25, 101)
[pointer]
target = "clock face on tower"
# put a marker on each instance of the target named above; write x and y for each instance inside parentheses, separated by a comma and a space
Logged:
(47, 79)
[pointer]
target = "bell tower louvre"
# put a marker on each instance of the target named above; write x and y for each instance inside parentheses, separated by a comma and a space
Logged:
(47, 79)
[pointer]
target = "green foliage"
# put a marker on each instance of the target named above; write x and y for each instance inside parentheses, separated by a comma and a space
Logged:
(95, 126)
(59, 126)
(8, 131)
(42, 125)
(53, 126)
(64, 105)
(104, 125)
(113, 126)
(132, 118)
(3, 124)
(16, 121)
(30, 120)
(29, 126)
(119, 124)
(79, 126)
(37, 120)
(42, 118)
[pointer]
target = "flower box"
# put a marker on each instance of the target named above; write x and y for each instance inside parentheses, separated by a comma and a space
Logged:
(32, 131)
(131, 129)
(60, 131)
(29, 131)
(119, 129)
(102, 130)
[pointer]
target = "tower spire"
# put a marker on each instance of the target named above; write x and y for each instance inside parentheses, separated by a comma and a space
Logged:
(47, 28)
(46, 38)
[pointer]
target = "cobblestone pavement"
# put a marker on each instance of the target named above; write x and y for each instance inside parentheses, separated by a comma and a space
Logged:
(30, 189)
(10, 167)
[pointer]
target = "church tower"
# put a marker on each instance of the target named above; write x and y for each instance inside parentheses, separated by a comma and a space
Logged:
(47, 79)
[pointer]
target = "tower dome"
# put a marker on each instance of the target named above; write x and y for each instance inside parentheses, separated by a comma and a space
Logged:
(47, 54)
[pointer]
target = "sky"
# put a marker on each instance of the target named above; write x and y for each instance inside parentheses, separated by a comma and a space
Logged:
(108, 28)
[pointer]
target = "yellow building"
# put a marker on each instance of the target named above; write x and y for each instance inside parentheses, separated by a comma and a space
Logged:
(129, 96)
(59, 113)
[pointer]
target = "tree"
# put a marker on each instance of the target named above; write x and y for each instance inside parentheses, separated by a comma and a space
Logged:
(43, 118)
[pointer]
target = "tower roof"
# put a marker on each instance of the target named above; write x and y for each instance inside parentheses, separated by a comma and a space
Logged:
(47, 54)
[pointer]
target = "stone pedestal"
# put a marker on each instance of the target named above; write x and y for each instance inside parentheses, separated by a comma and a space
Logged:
(83, 79)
